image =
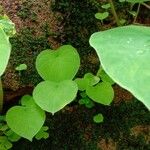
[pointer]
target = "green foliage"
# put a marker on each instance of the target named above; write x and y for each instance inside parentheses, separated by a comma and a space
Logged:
(42, 134)
(98, 118)
(7, 25)
(53, 96)
(98, 89)
(88, 80)
(21, 67)
(126, 58)
(26, 120)
(85, 100)
(7, 136)
(101, 93)
(134, 1)
(101, 16)
(5, 49)
(58, 65)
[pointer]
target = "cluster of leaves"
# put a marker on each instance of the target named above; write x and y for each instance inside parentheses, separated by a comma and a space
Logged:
(131, 59)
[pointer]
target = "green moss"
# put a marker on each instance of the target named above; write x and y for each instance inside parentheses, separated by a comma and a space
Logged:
(25, 48)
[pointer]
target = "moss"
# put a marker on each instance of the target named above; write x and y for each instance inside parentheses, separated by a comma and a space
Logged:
(25, 48)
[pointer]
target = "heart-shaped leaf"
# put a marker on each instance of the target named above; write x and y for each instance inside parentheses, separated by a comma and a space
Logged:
(101, 93)
(101, 16)
(124, 53)
(27, 120)
(5, 49)
(58, 65)
(53, 96)
(88, 80)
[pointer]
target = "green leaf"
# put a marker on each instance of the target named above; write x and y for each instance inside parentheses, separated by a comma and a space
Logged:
(26, 121)
(104, 77)
(82, 83)
(58, 65)
(5, 49)
(12, 136)
(7, 25)
(101, 16)
(137, 1)
(101, 93)
(42, 133)
(88, 80)
(133, 13)
(4, 143)
(21, 67)
(106, 6)
(53, 96)
(125, 56)
(98, 118)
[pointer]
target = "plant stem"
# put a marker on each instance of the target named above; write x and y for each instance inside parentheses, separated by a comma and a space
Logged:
(114, 12)
(1, 96)
(137, 12)
(147, 6)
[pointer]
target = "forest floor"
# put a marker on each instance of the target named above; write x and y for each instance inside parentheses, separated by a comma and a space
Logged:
(127, 122)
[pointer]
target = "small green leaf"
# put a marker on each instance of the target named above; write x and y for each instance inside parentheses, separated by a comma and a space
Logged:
(21, 67)
(42, 133)
(104, 77)
(133, 13)
(101, 16)
(53, 96)
(101, 93)
(58, 65)
(88, 80)
(98, 118)
(106, 6)
(12, 136)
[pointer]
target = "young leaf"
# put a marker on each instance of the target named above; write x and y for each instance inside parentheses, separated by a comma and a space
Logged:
(106, 6)
(88, 80)
(101, 16)
(26, 121)
(21, 67)
(53, 96)
(125, 56)
(101, 93)
(58, 65)
(98, 118)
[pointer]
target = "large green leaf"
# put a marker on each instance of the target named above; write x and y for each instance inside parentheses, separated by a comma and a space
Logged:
(26, 120)
(136, 1)
(53, 96)
(5, 49)
(58, 65)
(124, 53)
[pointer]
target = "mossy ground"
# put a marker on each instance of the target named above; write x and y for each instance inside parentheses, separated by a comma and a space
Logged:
(125, 127)
(40, 25)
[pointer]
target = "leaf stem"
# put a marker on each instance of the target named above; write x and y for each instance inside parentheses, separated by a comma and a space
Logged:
(147, 6)
(114, 12)
(137, 12)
